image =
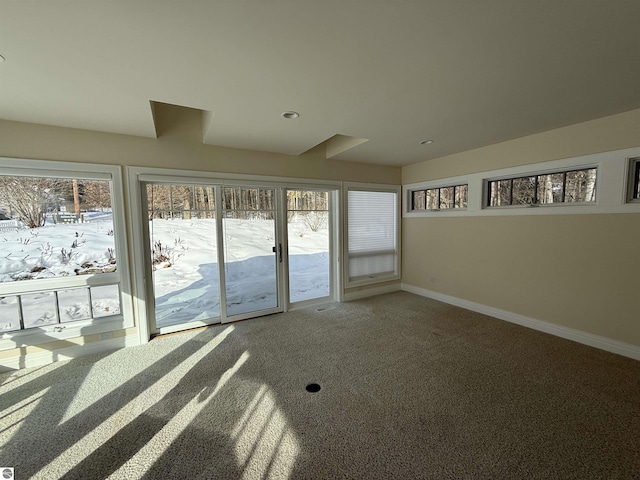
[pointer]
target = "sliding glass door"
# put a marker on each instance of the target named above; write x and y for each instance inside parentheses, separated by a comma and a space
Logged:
(219, 253)
(252, 251)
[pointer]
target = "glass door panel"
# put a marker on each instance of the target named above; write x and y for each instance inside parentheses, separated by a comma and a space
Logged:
(309, 239)
(250, 264)
(182, 231)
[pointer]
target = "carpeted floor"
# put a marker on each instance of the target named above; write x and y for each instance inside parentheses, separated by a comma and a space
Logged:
(410, 388)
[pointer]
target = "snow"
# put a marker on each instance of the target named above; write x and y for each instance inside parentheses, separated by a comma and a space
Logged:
(188, 290)
(185, 277)
(26, 251)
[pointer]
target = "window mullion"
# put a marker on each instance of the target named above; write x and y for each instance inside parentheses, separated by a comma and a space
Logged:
(57, 303)
(20, 312)
(511, 191)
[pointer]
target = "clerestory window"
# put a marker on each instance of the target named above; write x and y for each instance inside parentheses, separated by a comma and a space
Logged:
(570, 186)
(440, 198)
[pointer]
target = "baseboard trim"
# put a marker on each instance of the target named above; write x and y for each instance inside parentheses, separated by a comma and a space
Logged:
(597, 341)
(47, 357)
(371, 292)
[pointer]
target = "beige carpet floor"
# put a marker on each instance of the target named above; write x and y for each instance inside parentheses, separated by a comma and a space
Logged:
(410, 388)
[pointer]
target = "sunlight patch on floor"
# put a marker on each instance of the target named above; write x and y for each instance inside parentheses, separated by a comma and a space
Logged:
(138, 405)
(32, 372)
(11, 418)
(265, 445)
(163, 439)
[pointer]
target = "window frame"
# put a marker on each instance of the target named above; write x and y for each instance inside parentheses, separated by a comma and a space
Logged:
(411, 199)
(370, 280)
(409, 189)
(535, 174)
(121, 277)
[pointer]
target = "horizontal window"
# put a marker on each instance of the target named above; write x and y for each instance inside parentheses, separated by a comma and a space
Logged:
(441, 198)
(571, 186)
(634, 173)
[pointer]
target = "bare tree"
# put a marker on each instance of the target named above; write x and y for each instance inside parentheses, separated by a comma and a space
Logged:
(30, 197)
(315, 220)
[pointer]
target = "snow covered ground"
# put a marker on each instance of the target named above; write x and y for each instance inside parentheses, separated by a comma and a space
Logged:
(186, 280)
(188, 290)
(38, 252)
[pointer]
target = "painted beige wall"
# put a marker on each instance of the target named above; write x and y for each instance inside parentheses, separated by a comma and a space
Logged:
(577, 271)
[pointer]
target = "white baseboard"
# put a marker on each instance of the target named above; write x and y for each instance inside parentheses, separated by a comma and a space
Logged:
(603, 343)
(44, 358)
(370, 292)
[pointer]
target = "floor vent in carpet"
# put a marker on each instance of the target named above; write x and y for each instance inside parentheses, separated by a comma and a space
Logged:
(313, 388)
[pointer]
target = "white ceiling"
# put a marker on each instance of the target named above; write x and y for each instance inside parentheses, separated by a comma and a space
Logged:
(465, 73)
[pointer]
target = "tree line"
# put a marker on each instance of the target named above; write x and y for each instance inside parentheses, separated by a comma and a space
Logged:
(189, 201)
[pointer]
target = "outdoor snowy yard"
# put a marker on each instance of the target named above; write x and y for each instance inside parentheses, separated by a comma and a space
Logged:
(188, 289)
(54, 251)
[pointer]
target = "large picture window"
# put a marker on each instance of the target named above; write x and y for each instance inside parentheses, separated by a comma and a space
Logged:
(60, 259)
(372, 235)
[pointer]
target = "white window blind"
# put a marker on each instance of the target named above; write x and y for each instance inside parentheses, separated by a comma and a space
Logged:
(372, 234)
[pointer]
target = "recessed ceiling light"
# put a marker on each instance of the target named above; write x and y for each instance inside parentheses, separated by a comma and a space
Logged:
(426, 142)
(290, 115)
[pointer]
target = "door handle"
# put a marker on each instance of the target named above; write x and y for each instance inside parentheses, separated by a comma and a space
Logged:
(278, 249)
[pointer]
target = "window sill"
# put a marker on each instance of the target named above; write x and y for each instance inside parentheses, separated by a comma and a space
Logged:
(57, 332)
(372, 280)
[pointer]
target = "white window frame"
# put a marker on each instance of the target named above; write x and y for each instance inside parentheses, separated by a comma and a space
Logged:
(408, 197)
(487, 182)
(370, 187)
(67, 330)
(612, 188)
